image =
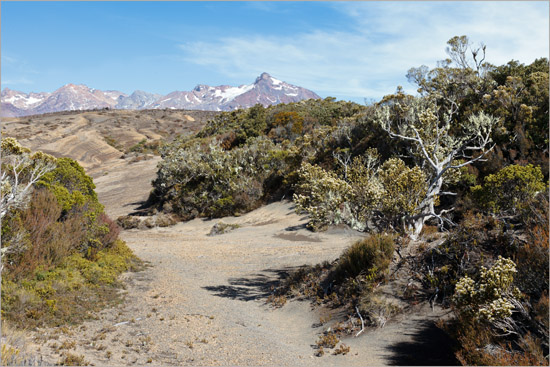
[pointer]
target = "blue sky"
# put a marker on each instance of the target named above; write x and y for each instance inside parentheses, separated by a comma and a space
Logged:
(349, 50)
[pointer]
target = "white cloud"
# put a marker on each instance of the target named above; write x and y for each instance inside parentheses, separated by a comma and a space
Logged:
(371, 55)
(17, 81)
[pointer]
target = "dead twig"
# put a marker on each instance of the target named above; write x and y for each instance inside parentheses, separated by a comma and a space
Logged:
(362, 322)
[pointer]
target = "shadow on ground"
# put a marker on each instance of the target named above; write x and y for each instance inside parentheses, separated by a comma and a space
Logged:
(256, 287)
(430, 346)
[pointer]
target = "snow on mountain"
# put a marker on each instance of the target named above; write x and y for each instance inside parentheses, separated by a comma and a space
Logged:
(72, 97)
(266, 90)
(22, 100)
(137, 100)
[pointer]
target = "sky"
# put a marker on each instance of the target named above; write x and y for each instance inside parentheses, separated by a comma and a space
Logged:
(358, 51)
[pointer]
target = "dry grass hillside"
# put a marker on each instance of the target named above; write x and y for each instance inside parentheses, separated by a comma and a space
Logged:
(101, 139)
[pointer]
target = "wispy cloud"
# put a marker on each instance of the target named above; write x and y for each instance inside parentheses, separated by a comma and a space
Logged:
(8, 60)
(382, 40)
(17, 81)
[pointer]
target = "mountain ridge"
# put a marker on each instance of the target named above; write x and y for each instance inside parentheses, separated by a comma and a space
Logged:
(265, 90)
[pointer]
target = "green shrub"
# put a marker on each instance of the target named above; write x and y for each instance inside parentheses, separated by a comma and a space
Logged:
(370, 257)
(61, 254)
(205, 180)
(511, 189)
(68, 292)
(322, 195)
(490, 298)
(405, 188)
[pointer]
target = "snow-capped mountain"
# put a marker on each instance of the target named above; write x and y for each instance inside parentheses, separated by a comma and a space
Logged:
(266, 90)
(137, 100)
(76, 97)
(18, 101)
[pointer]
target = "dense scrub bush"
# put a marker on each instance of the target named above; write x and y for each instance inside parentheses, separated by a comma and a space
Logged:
(492, 297)
(510, 190)
(60, 251)
(404, 190)
(495, 325)
(199, 180)
(322, 195)
(382, 196)
(504, 325)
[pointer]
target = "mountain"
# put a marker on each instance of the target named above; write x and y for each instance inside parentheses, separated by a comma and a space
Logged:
(22, 100)
(265, 90)
(76, 97)
(137, 100)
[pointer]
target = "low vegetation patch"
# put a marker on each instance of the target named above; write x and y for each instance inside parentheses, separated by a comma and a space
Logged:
(348, 283)
(221, 228)
(143, 222)
(61, 255)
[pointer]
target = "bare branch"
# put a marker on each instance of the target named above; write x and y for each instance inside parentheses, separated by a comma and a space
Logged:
(362, 322)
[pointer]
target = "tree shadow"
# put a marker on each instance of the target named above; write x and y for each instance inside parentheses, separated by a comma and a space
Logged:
(296, 228)
(142, 209)
(430, 346)
(256, 287)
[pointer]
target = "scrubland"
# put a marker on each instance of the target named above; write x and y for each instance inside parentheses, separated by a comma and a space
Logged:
(413, 230)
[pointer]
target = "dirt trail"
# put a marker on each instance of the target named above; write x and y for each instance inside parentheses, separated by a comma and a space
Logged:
(202, 300)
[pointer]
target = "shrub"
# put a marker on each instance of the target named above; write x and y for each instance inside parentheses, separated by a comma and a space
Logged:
(14, 349)
(511, 189)
(405, 188)
(370, 257)
(61, 254)
(322, 195)
(55, 295)
(365, 194)
(128, 221)
(205, 180)
(491, 297)
(71, 359)
(221, 228)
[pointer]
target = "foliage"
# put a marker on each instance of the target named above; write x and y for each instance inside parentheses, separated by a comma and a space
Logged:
(60, 252)
(348, 281)
(197, 180)
(495, 326)
(67, 292)
(71, 186)
(437, 139)
(510, 190)
(404, 189)
(386, 194)
(322, 195)
(20, 171)
(370, 257)
(491, 297)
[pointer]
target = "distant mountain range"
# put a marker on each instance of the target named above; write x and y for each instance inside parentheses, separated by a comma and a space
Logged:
(266, 90)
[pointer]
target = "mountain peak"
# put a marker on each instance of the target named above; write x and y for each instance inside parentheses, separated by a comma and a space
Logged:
(266, 91)
(263, 76)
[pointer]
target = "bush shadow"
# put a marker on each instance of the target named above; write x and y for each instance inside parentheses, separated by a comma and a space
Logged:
(430, 346)
(254, 288)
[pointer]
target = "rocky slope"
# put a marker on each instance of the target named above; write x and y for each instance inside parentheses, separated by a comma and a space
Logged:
(266, 90)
